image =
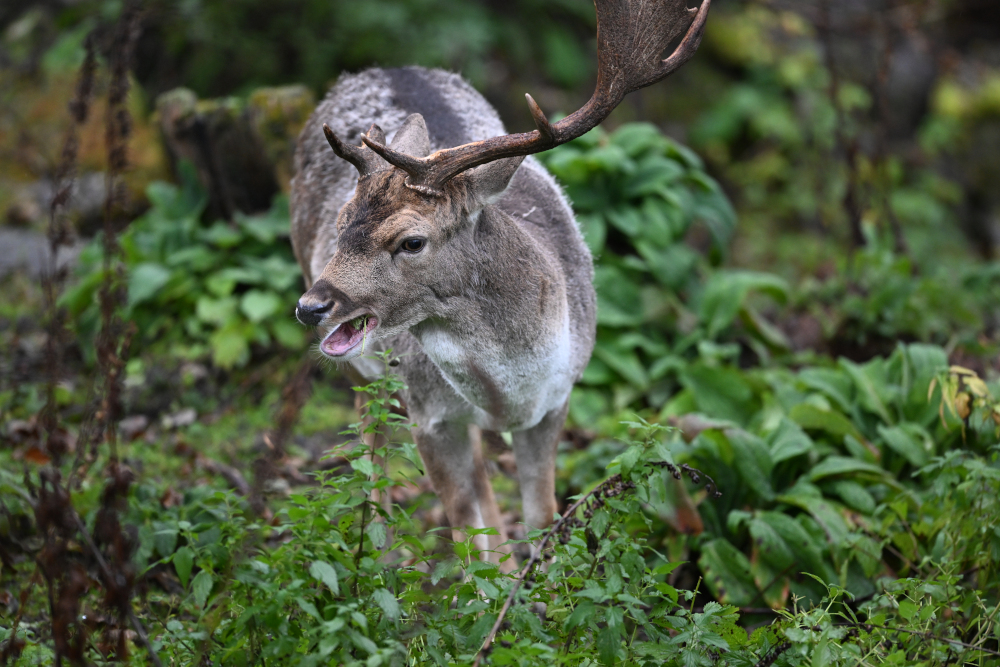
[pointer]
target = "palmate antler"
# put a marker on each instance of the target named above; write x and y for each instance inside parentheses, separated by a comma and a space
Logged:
(631, 36)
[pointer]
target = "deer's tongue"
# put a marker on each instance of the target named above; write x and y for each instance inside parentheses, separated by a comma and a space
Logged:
(347, 335)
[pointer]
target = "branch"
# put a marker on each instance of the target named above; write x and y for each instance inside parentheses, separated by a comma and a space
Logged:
(137, 625)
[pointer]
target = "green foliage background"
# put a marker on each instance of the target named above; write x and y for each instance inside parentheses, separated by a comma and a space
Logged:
(824, 387)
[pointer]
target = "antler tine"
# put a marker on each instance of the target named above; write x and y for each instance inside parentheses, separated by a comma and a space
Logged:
(631, 36)
(364, 160)
(541, 120)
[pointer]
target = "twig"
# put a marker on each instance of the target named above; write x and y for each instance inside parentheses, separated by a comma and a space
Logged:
(228, 473)
(852, 202)
(773, 656)
(529, 566)
(137, 625)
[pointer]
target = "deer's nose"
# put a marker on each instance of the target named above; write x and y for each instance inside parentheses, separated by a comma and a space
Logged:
(311, 312)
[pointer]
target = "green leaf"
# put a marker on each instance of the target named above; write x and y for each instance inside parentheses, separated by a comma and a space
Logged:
(625, 362)
(619, 302)
(843, 465)
(637, 138)
(325, 573)
(906, 443)
(608, 644)
(726, 292)
(183, 563)
(727, 573)
(811, 417)
(651, 175)
(288, 332)
(581, 616)
(387, 601)
(629, 459)
(788, 441)
(202, 587)
(144, 281)
(376, 533)
(752, 461)
(720, 392)
(855, 496)
(258, 305)
(230, 346)
(215, 311)
(807, 549)
(872, 395)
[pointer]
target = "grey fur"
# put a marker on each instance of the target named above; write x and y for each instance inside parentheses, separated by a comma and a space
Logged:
(523, 248)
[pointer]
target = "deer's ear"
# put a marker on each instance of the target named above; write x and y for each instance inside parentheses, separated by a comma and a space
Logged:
(488, 182)
(411, 137)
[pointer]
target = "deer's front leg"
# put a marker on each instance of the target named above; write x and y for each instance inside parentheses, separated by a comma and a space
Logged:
(535, 453)
(453, 457)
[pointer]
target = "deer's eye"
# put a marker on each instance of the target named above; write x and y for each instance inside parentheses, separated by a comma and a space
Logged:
(413, 245)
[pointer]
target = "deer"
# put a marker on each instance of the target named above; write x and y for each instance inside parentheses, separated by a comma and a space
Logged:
(429, 230)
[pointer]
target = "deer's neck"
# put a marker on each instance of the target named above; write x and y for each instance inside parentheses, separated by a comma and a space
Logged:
(500, 335)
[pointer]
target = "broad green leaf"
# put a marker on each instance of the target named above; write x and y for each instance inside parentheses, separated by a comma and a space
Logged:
(651, 175)
(288, 333)
(720, 392)
(202, 587)
(808, 550)
(872, 393)
(788, 441)
(325, 573)
(825, 511)
(183, 563)
(258, 305)
(726, 292)
(144, 281)
(843, 465)
(594, 231)
(771, 546)
(215, 311)
(854, 496)
(753, 461)
(727, 573)
(908, 443)
(619, 302)
(376, 533)
(637, 138)
(230, 346)
(832, 383)
(811, 417)
(608, 644)
(387, 601)
(625, 362)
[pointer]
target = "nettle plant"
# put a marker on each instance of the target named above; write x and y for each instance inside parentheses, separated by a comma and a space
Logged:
(199, 290)
(334, 579)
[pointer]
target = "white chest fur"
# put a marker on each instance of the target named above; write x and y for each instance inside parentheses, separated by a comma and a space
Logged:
(507, 392)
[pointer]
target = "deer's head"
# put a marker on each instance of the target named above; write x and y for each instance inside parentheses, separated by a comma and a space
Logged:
(400, 248)
(404, 238)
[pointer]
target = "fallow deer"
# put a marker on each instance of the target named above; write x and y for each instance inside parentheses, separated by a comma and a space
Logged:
(431, 234)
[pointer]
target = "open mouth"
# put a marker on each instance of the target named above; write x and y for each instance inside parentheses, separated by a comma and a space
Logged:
(346, 336)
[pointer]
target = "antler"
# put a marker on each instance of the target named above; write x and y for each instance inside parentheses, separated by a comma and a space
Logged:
(631, 35)
(365, 160)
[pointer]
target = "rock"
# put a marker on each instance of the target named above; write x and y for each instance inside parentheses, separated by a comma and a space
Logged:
(218, 137)
(179, 419)
(26, 250)
(278, 116)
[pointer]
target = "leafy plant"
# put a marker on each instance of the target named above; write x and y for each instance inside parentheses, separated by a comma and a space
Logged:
(194, 289)
(637, 194)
